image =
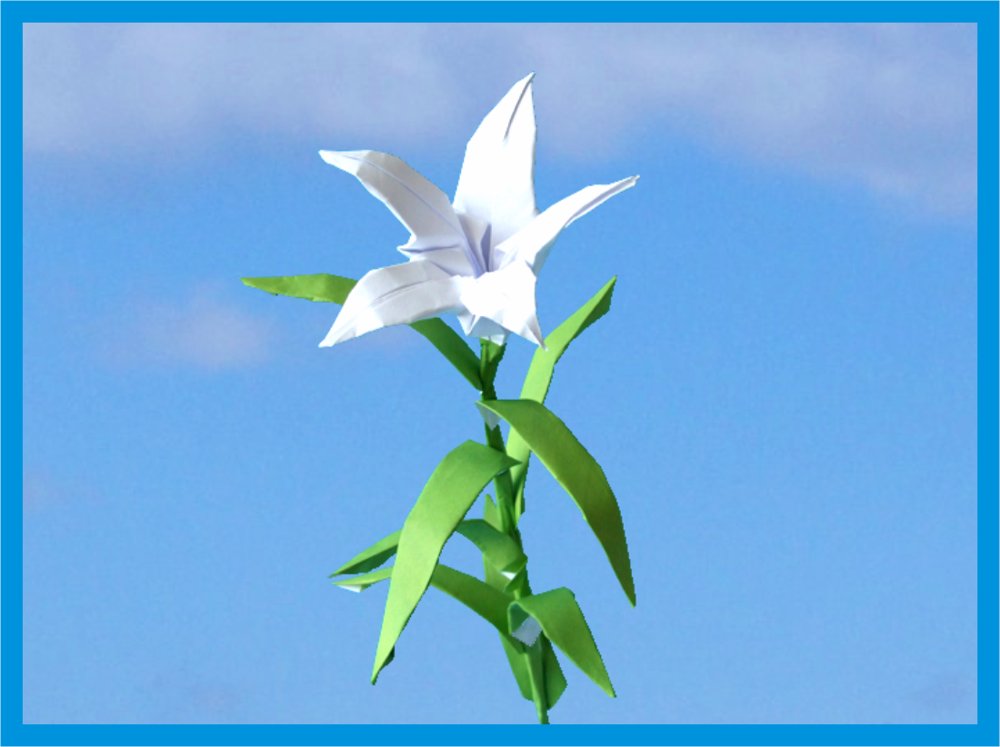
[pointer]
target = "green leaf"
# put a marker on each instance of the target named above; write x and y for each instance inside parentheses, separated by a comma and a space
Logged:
(555, 680)
(364, 581)
(518, 665)
(318, 287)
(542, 368)
(491, 514)
(471, 594)
(446, 498)
(490, 604)
(453, 347)
(370, 558)
(334, 289)
(487, 602)
(562, 622)
(481, 598)
(499, 550)
(577, 471)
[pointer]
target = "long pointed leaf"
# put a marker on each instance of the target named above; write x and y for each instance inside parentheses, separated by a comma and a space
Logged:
(555, 680)
(328, 288)
(497, 553)
(446, 498)
(453, 347)
(320, 287)
(518, 665)
(487, 602)
(542, 368)
(499, 550)
(365, 580)
(561, 620)
(371, 557)
(481, 598)
(492, 606)
(577, 471)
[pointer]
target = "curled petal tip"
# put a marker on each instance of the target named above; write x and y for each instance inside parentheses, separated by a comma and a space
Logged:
(334, 336)
(535, 331)
(346, 160)
(332, 158)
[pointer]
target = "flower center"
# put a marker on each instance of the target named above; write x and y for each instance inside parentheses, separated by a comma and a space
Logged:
(485, 247)
(478, 244)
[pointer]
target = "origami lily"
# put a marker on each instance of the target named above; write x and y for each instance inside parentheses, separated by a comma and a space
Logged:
(477, 257)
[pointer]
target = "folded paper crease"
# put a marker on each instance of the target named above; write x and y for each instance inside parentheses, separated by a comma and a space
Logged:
(479, 255)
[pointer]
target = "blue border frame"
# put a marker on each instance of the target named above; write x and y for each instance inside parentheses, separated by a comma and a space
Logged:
(13, 14)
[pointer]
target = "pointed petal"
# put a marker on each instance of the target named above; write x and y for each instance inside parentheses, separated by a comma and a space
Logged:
(399, 294)
(531, 244)
(505, 297)
(497, 184)
(417, 203)
(467, 320)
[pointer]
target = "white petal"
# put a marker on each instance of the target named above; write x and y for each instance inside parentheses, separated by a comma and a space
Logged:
(417, 203)
(531, 244)
(467, 320)
(506, 297)
(496, 184)
(398, 294)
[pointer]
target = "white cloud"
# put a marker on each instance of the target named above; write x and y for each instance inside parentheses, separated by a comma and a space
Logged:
(889, 107)
(203, 332)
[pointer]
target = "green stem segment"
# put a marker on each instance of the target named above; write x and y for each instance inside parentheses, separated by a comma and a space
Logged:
(489, 361)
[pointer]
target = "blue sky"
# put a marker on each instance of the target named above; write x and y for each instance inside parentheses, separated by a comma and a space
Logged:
(783, 395)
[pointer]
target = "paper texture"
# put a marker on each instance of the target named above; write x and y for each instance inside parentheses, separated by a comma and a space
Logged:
(477, 257)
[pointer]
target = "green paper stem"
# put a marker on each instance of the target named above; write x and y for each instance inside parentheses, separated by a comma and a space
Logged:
(529, 666)
(490, 356)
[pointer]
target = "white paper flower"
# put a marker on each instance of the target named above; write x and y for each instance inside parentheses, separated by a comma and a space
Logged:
(477, 257)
